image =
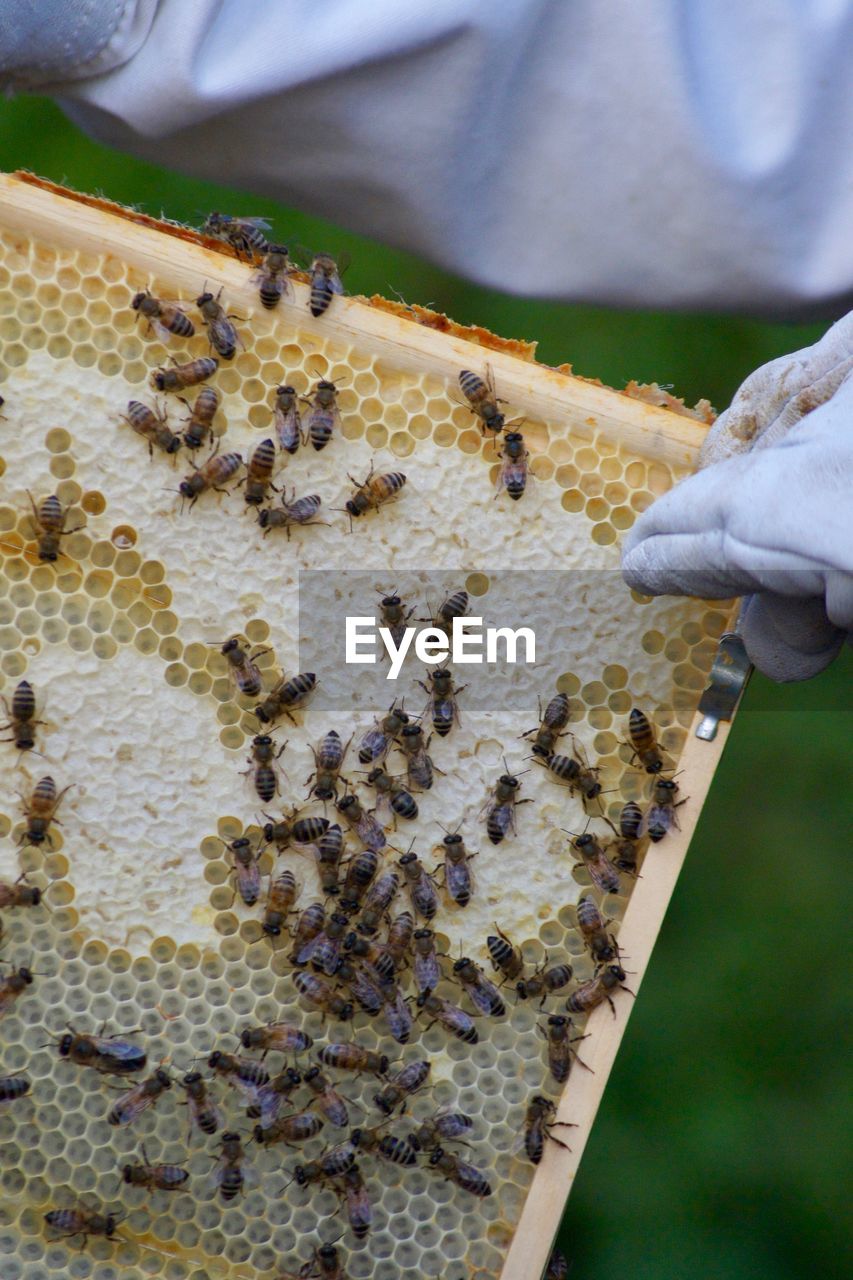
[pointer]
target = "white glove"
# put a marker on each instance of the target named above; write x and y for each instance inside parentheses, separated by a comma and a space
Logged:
(43, 41)
(770, 515)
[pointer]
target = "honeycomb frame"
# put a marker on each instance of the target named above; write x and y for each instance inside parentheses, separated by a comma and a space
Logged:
(584, 439)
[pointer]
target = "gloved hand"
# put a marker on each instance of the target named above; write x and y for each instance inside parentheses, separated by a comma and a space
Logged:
(44, 41)
(770, 514)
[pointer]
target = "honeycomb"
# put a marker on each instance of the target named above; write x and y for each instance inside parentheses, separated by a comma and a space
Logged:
(141, 926)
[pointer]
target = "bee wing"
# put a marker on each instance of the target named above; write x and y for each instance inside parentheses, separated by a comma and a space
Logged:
(160, 329)
(260, 224)
(344, 261)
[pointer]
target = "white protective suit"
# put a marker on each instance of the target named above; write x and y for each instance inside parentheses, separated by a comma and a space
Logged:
(671, 153)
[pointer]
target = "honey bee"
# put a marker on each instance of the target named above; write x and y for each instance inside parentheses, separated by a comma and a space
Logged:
(482, 993)
(557, 1268)
(201, 415)
(323, 417)
(13, 985)
(220, 331)
(591, 994)
(629, 833)
(551, 726)
(539, 1121)
(377, 742)
(165, 318)
(83, 1222)
(259, 471)
(154, 1177)
(461, 1173)
(442, 1126)
(272, 278)
(213, 474)
(283, 892)
(331, 1266)
(405, 1081)
(505, 958)
(330, 847)
(560, 1052)
(357, 1202)
(394, 1150)
(247, 873)
(294, 510)
(373, 492)
(661, 816)
(318, 992)
(280, 1037)
(325, 282)
(203, 1113)
(241, 667)
(401, 803)
(286, 419)
(515, 465)
(420, 885)
(271, 1097)
(111, 1055)
(333, 1163)
(180, 376)
(361, 870)
(363, 983)
(397, 1012)
(292, 1129)
(374, 958)
(152, 426)
(419, 765)
(327, 1100)
(457, 872)
(501, 806)
(378, 899)
(425, 966)
(453, 1019)
(244, 1074)
(480, 394)
(310, 922)
(350, 1056)
(325, 949)
(14, 1087)
(40, 809)
(22, 719)
(393, 615)
(49, 520)
(544, 982)
(262, 760)
(244, 235)
(644, 745)
(364, 824)
(601, 870)
(400, 937)
(229, 1175)
(130, 1106)
(328, 759)
(593, 930)
(286, 695)
(573, 770)
(442, 699)
(303, 831)
(455, 606)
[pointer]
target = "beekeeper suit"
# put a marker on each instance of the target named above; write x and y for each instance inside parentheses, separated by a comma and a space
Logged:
(660, 154)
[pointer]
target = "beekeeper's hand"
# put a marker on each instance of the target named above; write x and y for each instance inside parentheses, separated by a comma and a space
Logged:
(770, 515)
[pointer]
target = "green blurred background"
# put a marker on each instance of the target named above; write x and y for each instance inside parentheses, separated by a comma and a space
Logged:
(719, 1149)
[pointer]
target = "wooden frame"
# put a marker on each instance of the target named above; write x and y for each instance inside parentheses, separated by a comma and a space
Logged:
(644, 429)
